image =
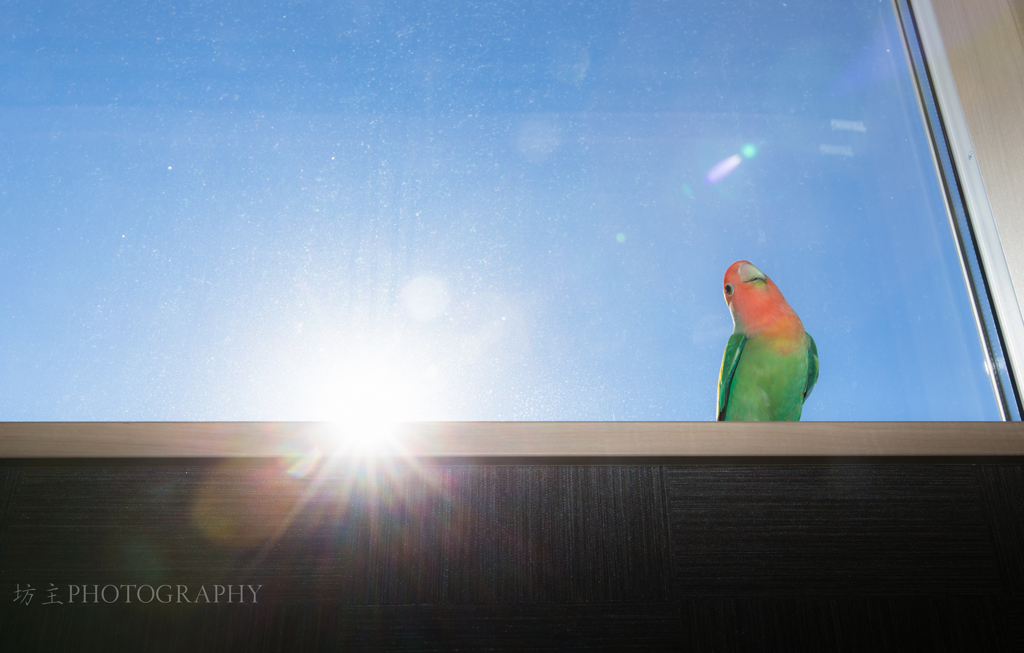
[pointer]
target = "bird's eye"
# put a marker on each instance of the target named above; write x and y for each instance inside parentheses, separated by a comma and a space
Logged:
(728, 289)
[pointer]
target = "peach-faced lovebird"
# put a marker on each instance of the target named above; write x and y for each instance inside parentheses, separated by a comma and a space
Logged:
(770, 364)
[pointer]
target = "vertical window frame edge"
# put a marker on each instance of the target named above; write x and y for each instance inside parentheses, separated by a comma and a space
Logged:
(987, 276)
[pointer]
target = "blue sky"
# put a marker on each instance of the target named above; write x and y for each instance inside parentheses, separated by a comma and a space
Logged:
(476, 211)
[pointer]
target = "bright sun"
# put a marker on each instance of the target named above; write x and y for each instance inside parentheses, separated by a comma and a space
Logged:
(365, 396)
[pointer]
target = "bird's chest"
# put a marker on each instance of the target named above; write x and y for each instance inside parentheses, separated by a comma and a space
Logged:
(769, 381)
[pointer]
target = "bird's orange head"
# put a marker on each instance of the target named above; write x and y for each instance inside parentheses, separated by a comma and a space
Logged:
(756, 303)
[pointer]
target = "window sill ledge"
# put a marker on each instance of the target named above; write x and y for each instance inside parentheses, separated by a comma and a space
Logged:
(512, 440)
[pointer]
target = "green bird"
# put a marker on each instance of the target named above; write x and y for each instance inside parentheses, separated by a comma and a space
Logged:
(770, 364)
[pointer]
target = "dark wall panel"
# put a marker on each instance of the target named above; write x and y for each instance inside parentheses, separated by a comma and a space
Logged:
(817, 529)
(329, 626)
(1002, 488)
(706, 557)
(867, 623)
(373, 536)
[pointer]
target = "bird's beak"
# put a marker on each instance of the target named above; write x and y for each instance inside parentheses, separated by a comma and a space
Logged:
(749, 273)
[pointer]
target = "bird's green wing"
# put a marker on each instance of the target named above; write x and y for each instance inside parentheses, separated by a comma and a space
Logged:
(812, 365)
(729, 361)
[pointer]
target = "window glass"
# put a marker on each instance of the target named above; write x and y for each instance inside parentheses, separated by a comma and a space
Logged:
(464, 210)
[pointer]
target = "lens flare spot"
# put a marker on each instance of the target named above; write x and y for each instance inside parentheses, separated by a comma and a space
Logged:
(723, 169)
(302, 464)
(235, 508)
(687, 190)
(749, 151)
(620, 237)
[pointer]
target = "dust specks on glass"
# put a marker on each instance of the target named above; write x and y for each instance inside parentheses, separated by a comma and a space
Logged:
(465, 211)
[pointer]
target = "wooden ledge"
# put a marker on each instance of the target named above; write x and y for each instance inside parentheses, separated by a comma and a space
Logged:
(510, 439)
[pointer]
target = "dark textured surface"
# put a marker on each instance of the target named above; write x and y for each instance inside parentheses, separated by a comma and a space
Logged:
(1002, 488)
(8, 483)
(780, 557)
(919, 623)
(447, 535)
(814, 529)
(328, 626)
